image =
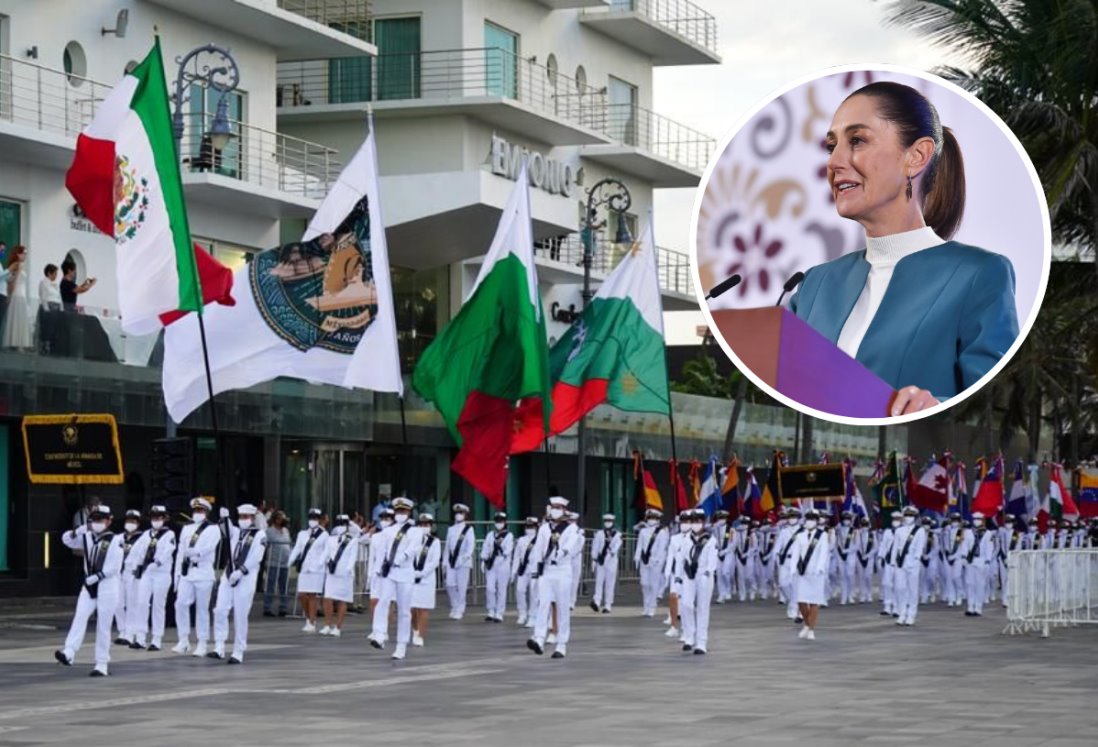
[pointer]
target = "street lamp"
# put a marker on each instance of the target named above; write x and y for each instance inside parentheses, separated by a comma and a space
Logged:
(222, 75)
(615, 196)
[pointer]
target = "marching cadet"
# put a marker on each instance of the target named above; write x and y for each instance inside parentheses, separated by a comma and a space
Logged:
(930, 575)
(605, 546)
(495, 560)
(978, 551)
(236, 590)
(127, 587)
(152, 555)
(577, 559)
(399, 545)
(522, 573)
(786, 582)
(865, 545)
(310, 557)
(556, 543)
(699, 570)
(194, 577)
(649, 557)
(339, 578)
(721, 534)
(888, 576)
(746, 550)
(952, 566)
(373, 564)
(846, 555)
(460, 546)
(102, 565)
(765, 579)
(672, 572)
(810, 559)
(1032, 540)
(1009, 541)
(907, 552)
(425, 564)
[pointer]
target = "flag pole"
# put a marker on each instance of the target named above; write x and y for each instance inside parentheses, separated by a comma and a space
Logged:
(667, 370)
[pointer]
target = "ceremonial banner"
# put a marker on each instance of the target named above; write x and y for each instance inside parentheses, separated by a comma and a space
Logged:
(72, 449)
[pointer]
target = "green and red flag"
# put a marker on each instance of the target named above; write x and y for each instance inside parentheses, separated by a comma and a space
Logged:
(492, 354)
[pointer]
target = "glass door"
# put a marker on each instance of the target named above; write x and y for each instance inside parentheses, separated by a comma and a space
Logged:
(399, 65)
(501, 61)
(622, 102)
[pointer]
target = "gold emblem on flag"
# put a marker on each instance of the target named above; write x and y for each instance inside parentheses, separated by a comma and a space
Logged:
(629, 384)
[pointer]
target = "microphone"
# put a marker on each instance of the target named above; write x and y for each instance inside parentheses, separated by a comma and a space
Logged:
(790, 284)
(725, 285)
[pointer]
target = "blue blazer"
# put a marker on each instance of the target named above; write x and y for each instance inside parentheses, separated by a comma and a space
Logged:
(946, 319)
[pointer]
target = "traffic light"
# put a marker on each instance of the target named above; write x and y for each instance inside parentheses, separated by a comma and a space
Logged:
(173, 473)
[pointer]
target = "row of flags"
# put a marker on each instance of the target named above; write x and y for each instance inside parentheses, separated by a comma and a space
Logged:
(321, 309)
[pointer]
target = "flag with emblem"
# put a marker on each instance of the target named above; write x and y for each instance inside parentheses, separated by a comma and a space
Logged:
(932, 491)
(492, 354)
(752, 497)
(1058, 503)
(125, 178)
(645, 494)
(613, 353)
(730, 486)
(888, 490)
(710, 493)
(769, 499)
(1018, 502)
(988, 499)
(1087, 491)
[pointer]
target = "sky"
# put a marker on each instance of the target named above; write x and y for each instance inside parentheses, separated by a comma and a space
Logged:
(763, 47)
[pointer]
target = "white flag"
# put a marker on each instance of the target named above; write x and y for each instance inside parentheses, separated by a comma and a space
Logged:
(319, 310)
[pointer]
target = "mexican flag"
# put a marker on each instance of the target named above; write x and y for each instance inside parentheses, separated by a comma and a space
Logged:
(613, 353)
(1058, 503)
(492, 354)
(125, 177)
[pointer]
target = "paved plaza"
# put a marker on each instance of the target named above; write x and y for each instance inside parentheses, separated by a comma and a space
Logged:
(950, 680)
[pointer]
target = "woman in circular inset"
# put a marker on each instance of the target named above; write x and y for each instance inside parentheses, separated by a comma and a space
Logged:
(928, 315)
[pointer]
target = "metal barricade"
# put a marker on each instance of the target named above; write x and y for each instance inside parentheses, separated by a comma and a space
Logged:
(1051, 588)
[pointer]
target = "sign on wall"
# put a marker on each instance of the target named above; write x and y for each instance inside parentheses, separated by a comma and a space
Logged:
(552, 176)
(72, 449)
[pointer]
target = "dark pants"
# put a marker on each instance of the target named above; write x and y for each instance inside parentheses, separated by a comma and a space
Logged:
(277, 579)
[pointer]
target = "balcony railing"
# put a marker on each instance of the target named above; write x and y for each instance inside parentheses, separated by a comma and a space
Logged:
(680, 16)
(349, 16)
(260, 158)
(673, 267)
(445, 74)
(45, 98)
(655, 133)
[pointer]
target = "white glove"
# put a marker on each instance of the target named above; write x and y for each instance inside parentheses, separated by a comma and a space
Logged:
(234, 578)
(91, 580)
(80, 531)
(224, 513)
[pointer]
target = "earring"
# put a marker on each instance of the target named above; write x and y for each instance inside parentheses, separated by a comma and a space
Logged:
(909, 187)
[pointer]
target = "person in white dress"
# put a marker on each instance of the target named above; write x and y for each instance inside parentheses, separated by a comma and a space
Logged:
(811, 556)
(310, 556)
(425, 564)
(339, 579)
(19, 328)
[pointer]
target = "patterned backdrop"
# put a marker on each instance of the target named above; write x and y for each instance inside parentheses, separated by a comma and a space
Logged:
(767, 211)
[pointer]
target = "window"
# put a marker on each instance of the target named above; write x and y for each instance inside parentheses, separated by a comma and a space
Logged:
(75, 64)
(622, 110)
(11, 225)
(551, 70)
(501, 61)
(399, 66)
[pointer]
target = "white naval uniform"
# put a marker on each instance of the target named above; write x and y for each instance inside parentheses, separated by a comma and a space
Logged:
(339, 571)
(884, 552)
(577, 567)
(787, 568)
(425, 564)
(194, 579)
(103, 560)
(907, 553)
(724, 561)
(699, 571)
(810, 573)
(246, 548)
(127, 588)
(523, 567)
(152, 559)
(745, 547)
(977, 553)
(766, 546)
(672, 565)
(310, 553)
(457, 564)
(496, 553)
(648, 559)
(554, 548)
(952, 565)
(1014, 540)
(605, 546)
(931, 575)
(398, 546)
(846, 554)
(865, 543)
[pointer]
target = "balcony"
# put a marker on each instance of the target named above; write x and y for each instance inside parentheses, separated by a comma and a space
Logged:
(259, 172)
(652, 147)
(42, 110)
(561, 261)
(296, 29)
(566, 4)
(671, 32)
(489, 84)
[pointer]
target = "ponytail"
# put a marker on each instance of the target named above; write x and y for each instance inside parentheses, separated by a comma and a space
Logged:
(943, 190)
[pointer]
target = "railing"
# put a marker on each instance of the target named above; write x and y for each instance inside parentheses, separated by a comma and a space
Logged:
(1051, 588)
(45, 98)
(680, 16)
(349, 16)
(260, 157)
(445, 74)
(655, 133)
(673, 268)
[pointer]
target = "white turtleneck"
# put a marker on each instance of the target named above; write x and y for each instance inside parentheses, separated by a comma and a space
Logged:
(882, 253)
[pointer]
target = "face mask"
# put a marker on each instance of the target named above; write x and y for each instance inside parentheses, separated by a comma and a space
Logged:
(99, 526)
(556, 513)
(386, 522)
(699, 527)
(244, 523)
(458, 518)
(810, 524)
(530, 532)
(684, 528)
(977, 524)
(313, 523)
(909, 520)
(608, 524)
(401, 518)
(846, 522)
(652, 522)
(896, 524)
(157, 524)
(131, 527)
(500, 526)
(198, 518)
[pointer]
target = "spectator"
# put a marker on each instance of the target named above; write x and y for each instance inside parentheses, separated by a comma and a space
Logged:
(69, 289)
(19, 330)
(49, 296)
(3, 282)
(278, 565)
(263, 518)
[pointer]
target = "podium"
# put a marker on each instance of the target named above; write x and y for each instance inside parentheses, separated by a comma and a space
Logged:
(796, 360)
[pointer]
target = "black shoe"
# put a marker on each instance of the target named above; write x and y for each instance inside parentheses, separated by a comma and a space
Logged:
(153, 647)
(535, 647)
(968, 613)
(268, 613)
(594, 607)
(214, 655)
(137, 646)
(884, 614)
(605, 611)
(798, 620)
(699, 652)
(120, 641)
(97, 673)
(687, 647)
(234, 660)
(376, 644)
(489, 619)
(283, 614)
(977, 614)
(557, 655)
(61, 658)
(895, 614)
